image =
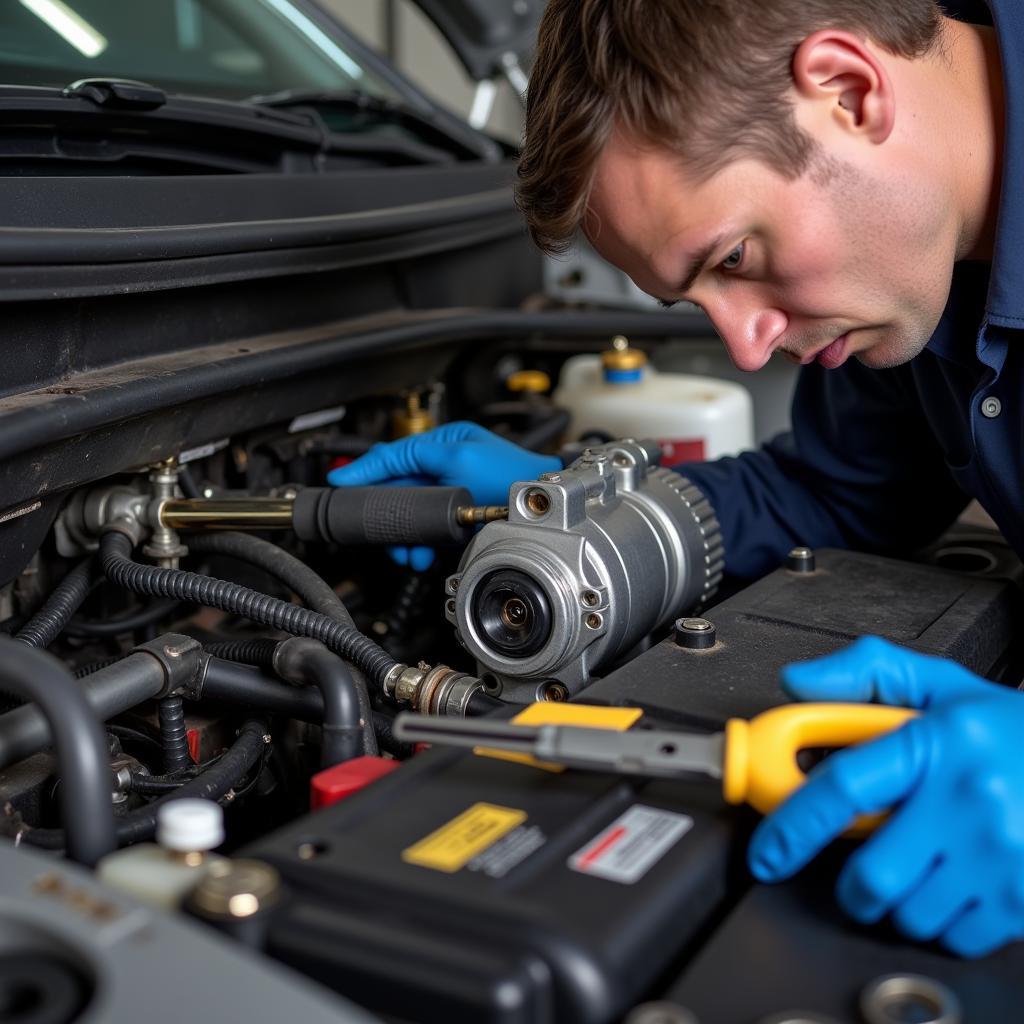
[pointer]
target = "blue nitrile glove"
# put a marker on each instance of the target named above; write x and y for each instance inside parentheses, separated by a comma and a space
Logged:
(949, 862)
(459, 454)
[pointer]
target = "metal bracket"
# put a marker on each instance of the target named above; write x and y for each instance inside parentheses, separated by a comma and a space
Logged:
(182, 659)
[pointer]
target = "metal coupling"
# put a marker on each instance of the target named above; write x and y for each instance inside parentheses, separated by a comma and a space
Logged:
(432, 691)
(183, 660)
(164, 547)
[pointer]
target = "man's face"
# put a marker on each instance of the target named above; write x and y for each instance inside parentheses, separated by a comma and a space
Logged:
(847, 260)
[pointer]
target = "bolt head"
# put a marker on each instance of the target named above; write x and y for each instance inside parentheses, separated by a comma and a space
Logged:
(801, 560)
(693, 634)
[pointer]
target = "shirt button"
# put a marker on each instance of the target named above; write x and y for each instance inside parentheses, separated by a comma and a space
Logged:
(991, 408)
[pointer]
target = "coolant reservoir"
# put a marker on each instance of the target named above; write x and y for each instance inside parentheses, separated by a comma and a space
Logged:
(617, 393)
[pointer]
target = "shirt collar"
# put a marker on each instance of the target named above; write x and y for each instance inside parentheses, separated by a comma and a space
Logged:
(1005, 303)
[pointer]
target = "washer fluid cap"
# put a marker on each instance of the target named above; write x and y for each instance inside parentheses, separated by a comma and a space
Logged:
(190, 825)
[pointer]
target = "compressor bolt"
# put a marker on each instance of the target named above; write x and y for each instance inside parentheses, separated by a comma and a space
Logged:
(695, 634)
(800, 560)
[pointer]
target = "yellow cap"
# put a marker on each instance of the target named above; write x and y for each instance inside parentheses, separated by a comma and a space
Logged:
(534, 382)
(621, 357)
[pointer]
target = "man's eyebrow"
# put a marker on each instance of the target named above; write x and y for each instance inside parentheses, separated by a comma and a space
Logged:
(700, 260)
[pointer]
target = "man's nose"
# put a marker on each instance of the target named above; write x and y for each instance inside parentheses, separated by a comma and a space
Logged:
(751, 332)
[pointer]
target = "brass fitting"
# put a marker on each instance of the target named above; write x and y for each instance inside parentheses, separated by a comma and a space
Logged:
(413, 419)
(621, 357)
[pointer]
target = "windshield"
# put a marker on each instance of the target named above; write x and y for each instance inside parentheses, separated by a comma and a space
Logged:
(229, 49)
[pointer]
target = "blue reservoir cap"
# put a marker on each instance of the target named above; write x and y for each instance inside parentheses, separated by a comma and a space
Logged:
(624, 376)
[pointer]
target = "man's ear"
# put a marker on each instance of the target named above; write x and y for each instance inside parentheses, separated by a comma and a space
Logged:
(840, 70)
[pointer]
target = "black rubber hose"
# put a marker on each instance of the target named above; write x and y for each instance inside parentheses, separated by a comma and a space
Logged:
(115, 557)
(245, 685)
(385, 729)
(128, 624)
(144, 785)
(82, 754)
(174, 735)
(314, 591)
(258, 652)
(110, 691)
(305, 662)
(187, 483)
(212, 784)
(93, 667)
(49, 622)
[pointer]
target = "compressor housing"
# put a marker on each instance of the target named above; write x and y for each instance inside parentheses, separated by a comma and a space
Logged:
(590, 560)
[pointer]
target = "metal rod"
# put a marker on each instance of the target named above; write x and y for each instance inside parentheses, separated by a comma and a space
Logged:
(227, 514)
(473, 516)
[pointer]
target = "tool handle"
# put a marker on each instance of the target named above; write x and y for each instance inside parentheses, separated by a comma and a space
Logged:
(382, 515)
(760, 755)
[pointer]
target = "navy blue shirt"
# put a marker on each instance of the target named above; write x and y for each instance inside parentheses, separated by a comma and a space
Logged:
(885, 460)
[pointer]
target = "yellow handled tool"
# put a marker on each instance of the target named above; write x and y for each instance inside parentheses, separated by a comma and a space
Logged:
(756, 760)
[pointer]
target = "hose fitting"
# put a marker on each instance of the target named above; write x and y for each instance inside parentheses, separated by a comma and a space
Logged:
(432, 691)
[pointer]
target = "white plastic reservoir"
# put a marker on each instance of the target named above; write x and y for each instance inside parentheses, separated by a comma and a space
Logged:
(694, 418)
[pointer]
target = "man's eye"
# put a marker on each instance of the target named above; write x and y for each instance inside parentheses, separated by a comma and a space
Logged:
(734, 259)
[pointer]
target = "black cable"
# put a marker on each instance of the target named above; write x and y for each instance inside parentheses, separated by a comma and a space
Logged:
(384, 726)
(314, 591)
(174, 735)
(47, 624)
(82, 753)
(282, 565)
(127, 624)
(305, 662)
(144, 785)
(115, 557)
(212, 784)
(135, 737)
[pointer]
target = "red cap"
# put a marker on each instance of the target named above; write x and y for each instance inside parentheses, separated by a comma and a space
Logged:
(342, 780)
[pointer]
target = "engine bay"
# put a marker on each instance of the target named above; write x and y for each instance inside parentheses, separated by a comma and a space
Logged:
(243, 636)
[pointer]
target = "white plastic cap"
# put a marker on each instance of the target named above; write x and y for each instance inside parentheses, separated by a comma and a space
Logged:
(190, 825)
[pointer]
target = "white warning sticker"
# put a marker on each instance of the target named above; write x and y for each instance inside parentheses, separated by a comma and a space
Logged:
(632, 844)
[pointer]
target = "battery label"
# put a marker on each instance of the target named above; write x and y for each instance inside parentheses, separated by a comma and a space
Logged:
(632, 844)
(454, 845)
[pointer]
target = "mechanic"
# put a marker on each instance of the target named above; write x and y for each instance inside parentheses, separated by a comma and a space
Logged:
(841, 181)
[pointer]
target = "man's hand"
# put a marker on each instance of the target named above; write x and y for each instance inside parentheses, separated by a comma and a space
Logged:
(949, 862)
(457, 454)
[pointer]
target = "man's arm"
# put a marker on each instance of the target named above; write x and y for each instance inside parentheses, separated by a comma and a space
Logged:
(861, 469)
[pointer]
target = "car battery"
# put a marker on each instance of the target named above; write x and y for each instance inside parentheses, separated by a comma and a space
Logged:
(813, 609)
(465, 888)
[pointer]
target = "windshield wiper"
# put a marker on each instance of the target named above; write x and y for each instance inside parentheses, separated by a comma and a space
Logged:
(436, 126)
(119, 122)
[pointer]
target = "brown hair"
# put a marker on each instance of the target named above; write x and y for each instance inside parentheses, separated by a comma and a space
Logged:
(680, 73)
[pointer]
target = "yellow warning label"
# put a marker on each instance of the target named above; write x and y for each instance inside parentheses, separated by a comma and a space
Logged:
(454, 845)
(587, 716)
